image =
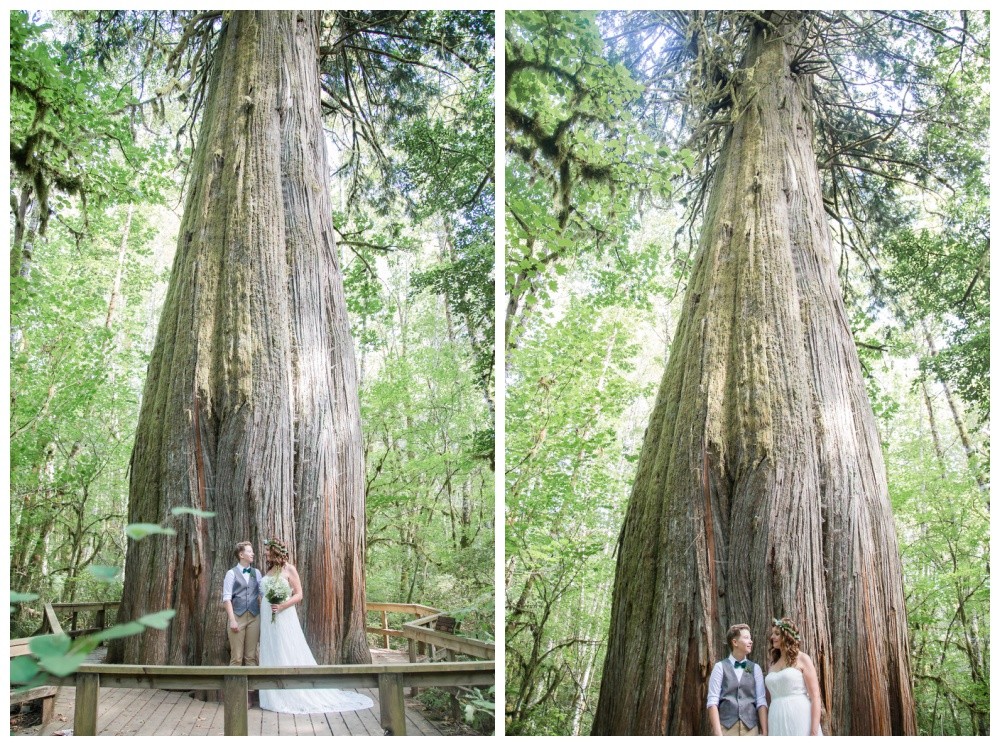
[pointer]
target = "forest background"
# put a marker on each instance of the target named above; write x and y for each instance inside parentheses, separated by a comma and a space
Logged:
(101, 136)
(603, 185)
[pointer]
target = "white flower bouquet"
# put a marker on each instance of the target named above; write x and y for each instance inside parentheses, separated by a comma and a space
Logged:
(276, 591)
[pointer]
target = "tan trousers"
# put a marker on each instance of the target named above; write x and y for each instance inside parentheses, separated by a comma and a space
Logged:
(739, 729)
(243, 645)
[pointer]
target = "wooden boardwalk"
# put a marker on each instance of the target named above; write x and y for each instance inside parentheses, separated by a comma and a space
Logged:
(146, 712)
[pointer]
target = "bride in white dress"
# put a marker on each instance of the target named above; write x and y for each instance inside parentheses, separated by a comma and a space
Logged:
(283, 644)
(792, 685)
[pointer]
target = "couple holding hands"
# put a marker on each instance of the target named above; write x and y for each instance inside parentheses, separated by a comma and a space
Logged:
(742, 701)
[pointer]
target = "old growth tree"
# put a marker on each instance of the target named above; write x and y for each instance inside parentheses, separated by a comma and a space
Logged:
(250, 407)
(761, 489)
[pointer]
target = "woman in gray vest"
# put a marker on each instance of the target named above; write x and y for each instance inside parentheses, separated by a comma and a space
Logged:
(737, 702)
(241, 599)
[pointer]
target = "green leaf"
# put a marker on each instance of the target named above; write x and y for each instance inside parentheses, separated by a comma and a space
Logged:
(50, 645)
(120, 630)
(141, 530)
(157, 620)
(62, 665)
(104, 573)
(20, 598)
(23, 669)
(193, 511)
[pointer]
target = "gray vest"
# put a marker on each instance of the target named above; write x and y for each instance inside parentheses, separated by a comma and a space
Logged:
(246, 592)
(738, 699)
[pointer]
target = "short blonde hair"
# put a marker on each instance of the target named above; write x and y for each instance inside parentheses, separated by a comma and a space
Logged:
(735, 631)
(240, 547)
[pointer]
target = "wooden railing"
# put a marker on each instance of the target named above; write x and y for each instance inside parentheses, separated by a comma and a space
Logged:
(385, 631)
(100, 610)
(389, 678)
(236, 681)
(51, 623)
(420, 631)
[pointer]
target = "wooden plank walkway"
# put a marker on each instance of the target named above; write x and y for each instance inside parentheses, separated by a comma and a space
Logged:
(144, 712)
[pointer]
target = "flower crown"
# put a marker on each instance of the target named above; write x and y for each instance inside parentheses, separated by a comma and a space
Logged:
(786, 627)
(281, 549)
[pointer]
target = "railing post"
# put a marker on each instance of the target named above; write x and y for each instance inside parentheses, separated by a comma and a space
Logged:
(234, 694)
(385, 625)
(456, 707)
(85, 709)
(413, 659)
(390, 702)
(100, 618)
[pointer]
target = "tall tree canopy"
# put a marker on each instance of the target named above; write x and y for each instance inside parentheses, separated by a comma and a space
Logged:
(818, 144)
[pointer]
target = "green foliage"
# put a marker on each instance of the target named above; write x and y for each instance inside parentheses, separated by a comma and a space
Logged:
(943, 522)
(479, 709)
(571, 445)
(430, 494)
(142, 530)
(60, 655)
(415, 220)
(71, 130)
(74, 402)
(580, 160)
(901, 115)
(192, 511)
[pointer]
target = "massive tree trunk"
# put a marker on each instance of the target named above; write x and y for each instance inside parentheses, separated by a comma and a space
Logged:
(761, 488)
(251, 408)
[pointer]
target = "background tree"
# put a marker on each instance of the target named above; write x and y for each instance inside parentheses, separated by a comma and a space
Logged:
(250, 409)
(81, 263)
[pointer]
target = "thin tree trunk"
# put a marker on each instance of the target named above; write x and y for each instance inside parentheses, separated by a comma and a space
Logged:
(959, 420)
(25, 230)
(26, 224)
(116, 285)
(251, 408)
(593, 613)
(760, 490)
(933, 423)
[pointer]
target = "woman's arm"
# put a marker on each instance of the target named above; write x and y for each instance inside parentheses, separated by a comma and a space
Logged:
(812, 686)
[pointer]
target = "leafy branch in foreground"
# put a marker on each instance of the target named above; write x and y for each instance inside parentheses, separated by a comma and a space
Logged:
(60, 655)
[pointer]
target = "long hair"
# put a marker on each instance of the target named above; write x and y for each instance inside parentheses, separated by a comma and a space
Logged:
(789, 641)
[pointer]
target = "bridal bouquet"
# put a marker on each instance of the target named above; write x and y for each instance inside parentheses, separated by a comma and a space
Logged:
(276, 591)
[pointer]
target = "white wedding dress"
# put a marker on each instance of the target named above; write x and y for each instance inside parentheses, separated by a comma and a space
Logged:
(790, 711)
(283, 644)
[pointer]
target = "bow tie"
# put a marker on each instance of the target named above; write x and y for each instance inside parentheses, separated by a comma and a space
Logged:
(247, 570)
(740, 664)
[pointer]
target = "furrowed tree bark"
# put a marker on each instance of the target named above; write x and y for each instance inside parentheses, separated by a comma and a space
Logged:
(760, 489)
(250, 407)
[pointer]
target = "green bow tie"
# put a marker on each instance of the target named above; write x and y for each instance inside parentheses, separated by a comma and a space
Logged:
(247, 570)
(740, 664)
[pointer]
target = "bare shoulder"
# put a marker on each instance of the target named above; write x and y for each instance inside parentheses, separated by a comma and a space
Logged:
(806, 661)
(290, 569)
